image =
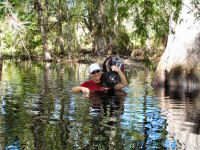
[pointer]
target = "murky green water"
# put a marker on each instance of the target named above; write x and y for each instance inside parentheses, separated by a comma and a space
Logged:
(38, 111)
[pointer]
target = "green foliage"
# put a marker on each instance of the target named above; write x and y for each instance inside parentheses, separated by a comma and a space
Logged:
(5, 8)
(196, 4)
(176, 6)
(123, 42)
(125, 23)
(123, 12)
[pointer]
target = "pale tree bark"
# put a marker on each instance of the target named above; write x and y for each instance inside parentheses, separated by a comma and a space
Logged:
(182, 51)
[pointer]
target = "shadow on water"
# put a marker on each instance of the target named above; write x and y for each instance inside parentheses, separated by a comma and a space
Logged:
(42, 120)
(182, 109)
(108, 104)
(105, 110)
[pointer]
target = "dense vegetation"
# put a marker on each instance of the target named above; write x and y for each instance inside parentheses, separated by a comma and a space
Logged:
(66, 28)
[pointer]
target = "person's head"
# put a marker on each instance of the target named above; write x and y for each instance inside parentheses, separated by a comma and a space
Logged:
(95, 72)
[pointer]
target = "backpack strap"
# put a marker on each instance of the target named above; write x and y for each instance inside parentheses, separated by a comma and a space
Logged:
(105, 61)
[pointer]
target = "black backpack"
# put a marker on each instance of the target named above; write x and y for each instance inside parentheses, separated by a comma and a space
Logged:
(110, 78)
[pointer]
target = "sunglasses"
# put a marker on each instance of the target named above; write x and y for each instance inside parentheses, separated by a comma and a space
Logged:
(94, 72)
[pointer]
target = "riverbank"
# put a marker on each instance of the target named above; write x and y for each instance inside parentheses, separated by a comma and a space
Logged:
(129, 61)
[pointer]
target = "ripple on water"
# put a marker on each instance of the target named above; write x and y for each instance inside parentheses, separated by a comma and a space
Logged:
(37, 106)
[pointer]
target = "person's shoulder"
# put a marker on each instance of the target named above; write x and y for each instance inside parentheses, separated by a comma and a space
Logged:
(89, 81)
(86, 82)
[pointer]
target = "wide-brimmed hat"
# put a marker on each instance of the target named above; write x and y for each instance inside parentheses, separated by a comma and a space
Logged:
(94, 67)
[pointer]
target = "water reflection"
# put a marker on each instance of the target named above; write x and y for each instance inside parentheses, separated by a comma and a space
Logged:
(105, 110)
(109, 104)
(39, 111)
(182, 111)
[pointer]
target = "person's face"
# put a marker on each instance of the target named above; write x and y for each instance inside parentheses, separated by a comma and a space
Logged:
(96, 76)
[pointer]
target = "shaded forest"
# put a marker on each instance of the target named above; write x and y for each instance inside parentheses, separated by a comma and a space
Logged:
(48, 30)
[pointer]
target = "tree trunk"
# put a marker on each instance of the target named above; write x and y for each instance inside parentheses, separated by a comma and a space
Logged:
(1, 66)
(180, 63)
(99, 27)
(69, 47)
(61, 39)
(42, 22)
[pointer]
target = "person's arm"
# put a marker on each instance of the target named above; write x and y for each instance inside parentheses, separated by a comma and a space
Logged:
(123, 83)
(80, 89)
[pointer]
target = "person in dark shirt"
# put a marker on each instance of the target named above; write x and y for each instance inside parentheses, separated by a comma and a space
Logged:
(94, 84)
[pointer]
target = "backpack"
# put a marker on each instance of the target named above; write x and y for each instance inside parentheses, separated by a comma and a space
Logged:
(110, 78)
(111, 61)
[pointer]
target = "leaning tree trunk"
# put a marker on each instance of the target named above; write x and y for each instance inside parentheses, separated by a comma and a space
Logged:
(42, 21)
(180, 64)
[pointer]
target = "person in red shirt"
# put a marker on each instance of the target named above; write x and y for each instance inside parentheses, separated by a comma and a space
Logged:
(94, 84)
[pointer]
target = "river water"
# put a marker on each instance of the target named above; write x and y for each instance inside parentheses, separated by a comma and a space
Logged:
(38, 111)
